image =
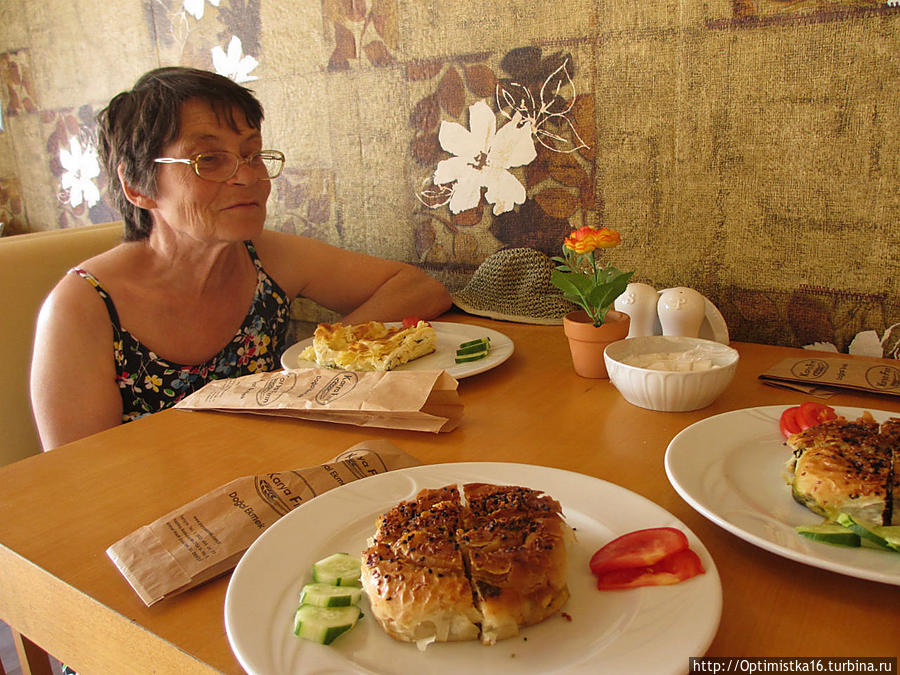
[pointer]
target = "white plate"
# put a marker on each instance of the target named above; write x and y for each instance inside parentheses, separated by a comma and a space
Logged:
(644, 630)
(449, 337)
(729, 468)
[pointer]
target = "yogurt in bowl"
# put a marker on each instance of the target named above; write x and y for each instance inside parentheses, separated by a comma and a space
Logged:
(668, 373)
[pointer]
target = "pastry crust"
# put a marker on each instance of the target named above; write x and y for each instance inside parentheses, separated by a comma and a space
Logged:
(844, 466)
(414, 574)
(414, 602)
(890, 431)
(369, 346)
(464, 562)
(515, 544)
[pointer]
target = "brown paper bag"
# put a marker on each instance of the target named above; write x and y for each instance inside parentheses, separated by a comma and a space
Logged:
(877, 376)
(208, 536)
(420, 400)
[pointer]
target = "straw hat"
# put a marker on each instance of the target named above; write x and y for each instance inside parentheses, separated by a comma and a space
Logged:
(513, 284)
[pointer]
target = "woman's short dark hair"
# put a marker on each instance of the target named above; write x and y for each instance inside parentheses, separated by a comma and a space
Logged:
(136, 125)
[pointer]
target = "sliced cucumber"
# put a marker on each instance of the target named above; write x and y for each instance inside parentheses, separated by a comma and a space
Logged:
(873, 535)
(324, 624)
(476, 346)
(338, 569)
(465, 358)
(326, 595)
(483, 341)
(890, 534)
(471, 350)
(830, 533)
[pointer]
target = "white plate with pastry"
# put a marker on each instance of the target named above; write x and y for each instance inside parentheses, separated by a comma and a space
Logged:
(449, 337)
(642, 630)
(730, 468)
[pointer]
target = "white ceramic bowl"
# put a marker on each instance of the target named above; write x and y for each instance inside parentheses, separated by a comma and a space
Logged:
(666, 390)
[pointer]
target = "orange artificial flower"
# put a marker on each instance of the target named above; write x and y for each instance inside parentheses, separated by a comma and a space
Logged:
(586, 239)
(584, 280)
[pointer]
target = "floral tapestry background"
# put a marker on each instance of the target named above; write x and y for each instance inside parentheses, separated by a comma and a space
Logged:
(747, 148)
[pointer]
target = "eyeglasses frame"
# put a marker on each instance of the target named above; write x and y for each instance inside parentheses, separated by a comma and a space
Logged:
(193, 162)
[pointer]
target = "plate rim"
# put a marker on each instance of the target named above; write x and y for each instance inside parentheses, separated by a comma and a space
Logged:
(505, 350)
(483, 471)
(709, 512)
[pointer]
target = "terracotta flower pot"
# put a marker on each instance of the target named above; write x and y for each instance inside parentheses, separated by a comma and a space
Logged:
(587, 341)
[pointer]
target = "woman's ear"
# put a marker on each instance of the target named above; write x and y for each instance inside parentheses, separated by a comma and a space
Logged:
(132, 194)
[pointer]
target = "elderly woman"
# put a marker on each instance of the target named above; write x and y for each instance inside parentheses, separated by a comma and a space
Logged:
(198, 289)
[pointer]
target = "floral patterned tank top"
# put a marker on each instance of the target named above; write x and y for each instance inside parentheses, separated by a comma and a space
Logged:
(149, 384)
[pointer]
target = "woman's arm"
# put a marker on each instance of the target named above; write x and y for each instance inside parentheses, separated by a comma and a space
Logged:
(73, 379)
(358, 286)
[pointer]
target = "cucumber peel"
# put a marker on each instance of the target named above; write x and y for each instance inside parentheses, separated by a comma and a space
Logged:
(327, 595)
(890, 534)
(473, 350)
(338, 569)
(324, 624)
(486, 341)
(476, 356)
(883, 537)
(830, 533)
(329, 605)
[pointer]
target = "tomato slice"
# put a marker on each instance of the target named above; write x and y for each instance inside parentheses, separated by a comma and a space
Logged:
(411, 321)
(640, 548)
(789, 424)
(672, 569)
(804, 416)
(813, 413)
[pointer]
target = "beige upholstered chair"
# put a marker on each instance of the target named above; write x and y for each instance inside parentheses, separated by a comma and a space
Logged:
(30, 266)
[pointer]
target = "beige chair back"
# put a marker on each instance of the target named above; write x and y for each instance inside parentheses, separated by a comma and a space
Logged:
(30, 266)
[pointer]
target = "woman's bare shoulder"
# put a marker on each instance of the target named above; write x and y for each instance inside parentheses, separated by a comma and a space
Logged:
(74, 304)
(73, 353)
(75, 301)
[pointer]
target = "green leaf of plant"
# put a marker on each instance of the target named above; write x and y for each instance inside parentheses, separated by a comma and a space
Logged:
(571, 290)
(563, 281)
(604, 296)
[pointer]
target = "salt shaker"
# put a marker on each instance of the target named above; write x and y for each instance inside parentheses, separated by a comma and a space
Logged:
(639, 302)
(681, 312)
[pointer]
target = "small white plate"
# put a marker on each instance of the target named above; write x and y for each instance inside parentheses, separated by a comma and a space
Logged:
(729, 468)
(651, 630)
(449, 337)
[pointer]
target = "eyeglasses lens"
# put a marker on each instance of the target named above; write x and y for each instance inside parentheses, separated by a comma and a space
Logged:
(220, 166)
(272, 164)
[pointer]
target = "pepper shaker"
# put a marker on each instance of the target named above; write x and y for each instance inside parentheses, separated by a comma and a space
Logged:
(681, 312)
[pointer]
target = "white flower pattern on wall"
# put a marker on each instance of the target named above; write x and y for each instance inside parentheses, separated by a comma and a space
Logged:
(196, 7)
(543, 118)
(483, 157)
(234, 64)
(80, 168)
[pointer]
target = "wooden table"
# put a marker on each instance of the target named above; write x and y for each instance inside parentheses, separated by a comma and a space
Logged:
(60, 511)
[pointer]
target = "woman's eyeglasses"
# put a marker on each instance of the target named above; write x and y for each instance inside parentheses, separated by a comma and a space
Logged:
(221, 166)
